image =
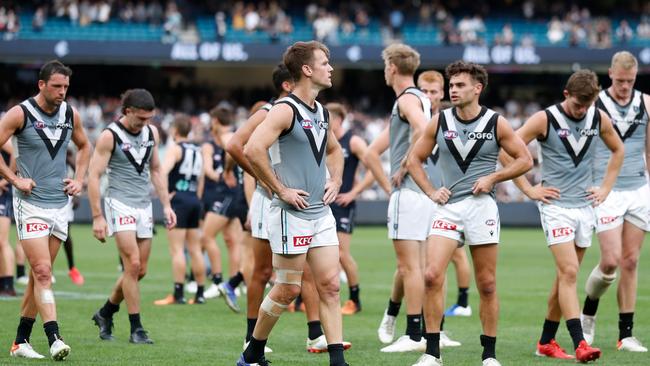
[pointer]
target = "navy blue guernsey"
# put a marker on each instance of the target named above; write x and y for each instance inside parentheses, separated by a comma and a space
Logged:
(184, 177)
(219, 164)
(350, 163)
(7, 158)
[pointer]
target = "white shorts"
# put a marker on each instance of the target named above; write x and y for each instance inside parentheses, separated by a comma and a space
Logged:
(289, 234)
(36, 222)
(121, 217)
(259, 213)
(474, 220)
(409, 215)
(69, 211)
(563, 225)
(632, 206)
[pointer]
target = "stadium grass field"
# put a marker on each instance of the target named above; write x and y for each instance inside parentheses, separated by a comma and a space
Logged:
(212, 335)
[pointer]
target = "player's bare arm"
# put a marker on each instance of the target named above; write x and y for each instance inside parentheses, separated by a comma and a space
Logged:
(256, 151)
(358, 147)
(208, 170)
(74, 186)
(235, 146)
(609, 136)
(335, 167)
(160, 183)
(11, 122)
(98, 163)
(514, 147)
(410, 108)
(372, 159)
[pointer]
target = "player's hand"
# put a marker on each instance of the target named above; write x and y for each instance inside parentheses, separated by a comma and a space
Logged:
(72, 187)
(294, 197)
(483, 185)
(100, 229)
(344, 199)
(441, 195)
(398, 177)
(24, 185)
(543, 194)
(247, 224)
(170, 218)
(230, 179)
(331, 190)
(597, 195)
(4, 185)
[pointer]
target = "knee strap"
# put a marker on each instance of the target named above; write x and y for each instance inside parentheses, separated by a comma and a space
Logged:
(288, 277)
(598, 282)
(272, 308)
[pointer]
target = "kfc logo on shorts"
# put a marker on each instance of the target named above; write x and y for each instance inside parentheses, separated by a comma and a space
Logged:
(607, 219)
(450, 135)
(36, 227)
(443, 225)
(302, 241)
(39, 125)
(562, 231)
(127, 220)
(564, 133)
(306, 124)
(490, 222)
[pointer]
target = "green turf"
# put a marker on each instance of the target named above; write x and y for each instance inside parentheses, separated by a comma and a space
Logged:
(212, 335)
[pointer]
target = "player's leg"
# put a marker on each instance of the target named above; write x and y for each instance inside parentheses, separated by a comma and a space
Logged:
(463, 275)
(213, 224)
(193, 239)
(176, 241)
(7, 259)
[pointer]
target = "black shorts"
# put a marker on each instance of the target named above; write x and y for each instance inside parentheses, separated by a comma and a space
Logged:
(188, 210)
(6, 205)
(344, 217)
(229, 204)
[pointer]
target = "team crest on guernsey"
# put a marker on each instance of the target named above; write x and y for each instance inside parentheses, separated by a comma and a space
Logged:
(577, 148)
(563, 133)
(307, 124)
(139, 154)
(55, 136)
(464, 153)
(314, 124)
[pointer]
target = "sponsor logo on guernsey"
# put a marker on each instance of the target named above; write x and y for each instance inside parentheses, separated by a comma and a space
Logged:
(561, 231)
(37, 226)
(588, 132)
(443, 225)
(480, 135)
(450, 135)
(127, 220)
(307, 124)
(607, 219)
(563, 133)
(302, 241)
(490, 222)
(39, 124)
(324, 125)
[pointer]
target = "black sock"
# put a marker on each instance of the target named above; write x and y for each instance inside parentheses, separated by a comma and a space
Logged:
(354, 294)
(20, 270)
(590, 307)
(336, 354)
(314, 329)
(575, 330)
(625, 325)
(413, 327)
(217, 278)
(190, 278)
(24, 330)
(67, 246)
(255, 350)
(298, 302)
(6, 283)
(178, 291)
(548, 331)
(109, 309)
(489, 346)
(433, 344)
(442, 323)
(424, 322)
(462, 297)
(235, 280)
(393, 308)
(250, 326)
(134, 319)
(199, 291)
(51, 331)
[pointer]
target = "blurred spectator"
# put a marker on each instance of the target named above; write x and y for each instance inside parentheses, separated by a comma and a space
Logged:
(528, 9)
(507, 35)
(104, 13)
(601, 34)
(643, 29)
(251, 18)
(73, 12)
(140, 12)
(325, 27)
(38, 21)
(127, 13)
(155, 12)
(449, 33)
(173, 23)
(555, 30)
(425, 16)
(396, 22)
(3, 19)
(238, 22)
(13, 25)
(220, 25)
(469, 28)
(624, 32)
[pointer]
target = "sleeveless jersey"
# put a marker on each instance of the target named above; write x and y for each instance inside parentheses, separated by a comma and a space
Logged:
(267, 107)
(432, 168)
(630, 122)
(128, 167)
(218, 163)
(468, 150)
(400, 135)
(40, 147)
(568, 155)
(7, 159)
(184, 177)
(350, 163)
(298, 156)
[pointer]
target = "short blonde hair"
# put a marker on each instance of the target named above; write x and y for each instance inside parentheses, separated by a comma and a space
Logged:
(337, 108)
(404, 57)
(625, 60)
(431, 76)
